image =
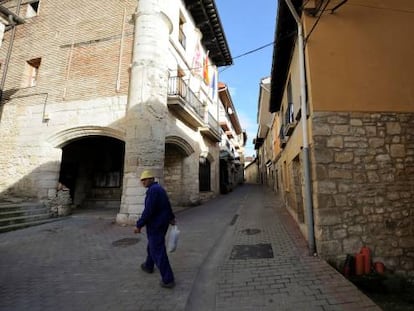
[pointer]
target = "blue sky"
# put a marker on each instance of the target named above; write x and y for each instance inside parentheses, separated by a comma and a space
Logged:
(247, 25)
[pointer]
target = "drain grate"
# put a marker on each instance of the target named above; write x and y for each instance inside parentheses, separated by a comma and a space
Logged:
(255, 251)
(125, 242)
(250, 231)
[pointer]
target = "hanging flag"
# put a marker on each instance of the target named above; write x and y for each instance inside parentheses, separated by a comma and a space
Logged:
(197, 65)
(213, 85)
(206, 76)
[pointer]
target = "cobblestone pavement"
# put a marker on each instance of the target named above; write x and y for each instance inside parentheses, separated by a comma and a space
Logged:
(86, 262)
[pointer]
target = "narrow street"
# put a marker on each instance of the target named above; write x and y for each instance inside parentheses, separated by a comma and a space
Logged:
(240, 251)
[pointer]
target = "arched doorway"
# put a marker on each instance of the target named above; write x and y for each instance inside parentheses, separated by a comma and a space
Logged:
(92, 168)
(176, 172)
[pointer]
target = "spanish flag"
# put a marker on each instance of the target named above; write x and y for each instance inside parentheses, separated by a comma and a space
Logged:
(206, 76)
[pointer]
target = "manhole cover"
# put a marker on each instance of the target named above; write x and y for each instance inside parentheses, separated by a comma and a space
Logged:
(125, 242)
(251, 231)
(255, 251)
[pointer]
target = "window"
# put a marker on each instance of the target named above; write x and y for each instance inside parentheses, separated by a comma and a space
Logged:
(181, 34)
(31, 72)
(204, 175)
(289, 91)
(32, 9)
(289, 118)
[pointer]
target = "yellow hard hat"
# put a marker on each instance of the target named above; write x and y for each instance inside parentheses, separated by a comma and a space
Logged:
(146, 174)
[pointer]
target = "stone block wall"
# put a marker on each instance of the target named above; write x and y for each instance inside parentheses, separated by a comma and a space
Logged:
(363, 181)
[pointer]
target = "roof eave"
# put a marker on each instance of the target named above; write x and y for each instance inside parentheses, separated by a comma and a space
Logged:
(207, 19)
(285, 38)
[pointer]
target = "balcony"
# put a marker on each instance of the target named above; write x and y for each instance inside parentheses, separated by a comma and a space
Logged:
(282, 138)
(211, 129)
(225, 123)
(184, 103)
(288, 129)
(229, 134)
(188, 107)
(258, 142)
(225, 149)
(290, 122)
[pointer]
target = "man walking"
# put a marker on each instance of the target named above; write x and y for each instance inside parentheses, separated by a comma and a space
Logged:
(156, 217)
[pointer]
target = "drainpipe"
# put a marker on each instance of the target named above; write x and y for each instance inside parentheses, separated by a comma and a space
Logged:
(14, 19)
(306, 161)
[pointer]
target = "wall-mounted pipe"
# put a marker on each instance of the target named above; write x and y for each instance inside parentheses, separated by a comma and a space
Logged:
(305, 150)
(10, 48)
(121, 52)
(16, 19)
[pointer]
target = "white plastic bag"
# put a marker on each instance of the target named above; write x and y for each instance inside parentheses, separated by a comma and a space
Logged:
(173, 239)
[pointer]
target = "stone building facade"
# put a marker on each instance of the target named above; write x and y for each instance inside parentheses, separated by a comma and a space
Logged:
(343, 149)
(364, 167)
(233, 140)
(98, 91)
(251, 172)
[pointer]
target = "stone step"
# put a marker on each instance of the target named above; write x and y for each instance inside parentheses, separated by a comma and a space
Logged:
(28, 224)
(23, 214)
(6, 206)
(19, 210)
(23, 219)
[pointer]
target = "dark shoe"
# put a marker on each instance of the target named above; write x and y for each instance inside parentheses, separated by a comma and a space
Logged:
(147, 270)
(167, 285)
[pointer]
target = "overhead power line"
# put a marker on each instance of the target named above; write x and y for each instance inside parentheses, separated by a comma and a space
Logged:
(254, 50)
(317, 21)
(381, 8)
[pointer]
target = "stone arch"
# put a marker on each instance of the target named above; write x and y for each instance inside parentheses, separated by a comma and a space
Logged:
(181, 143)
(178, 170)
(61, 138)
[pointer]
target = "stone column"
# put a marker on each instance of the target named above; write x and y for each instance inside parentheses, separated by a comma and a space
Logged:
(147, 106)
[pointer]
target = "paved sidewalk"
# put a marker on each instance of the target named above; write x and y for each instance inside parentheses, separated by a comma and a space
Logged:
(86, 262)
(267, 266)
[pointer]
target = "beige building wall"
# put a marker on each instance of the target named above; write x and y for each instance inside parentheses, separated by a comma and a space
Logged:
(359, 71)
(251, 173)
(361, 109)
(289, 159)
(363, 53)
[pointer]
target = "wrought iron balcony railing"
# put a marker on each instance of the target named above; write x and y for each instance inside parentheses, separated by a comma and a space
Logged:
(182, 100)
(190, 109)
